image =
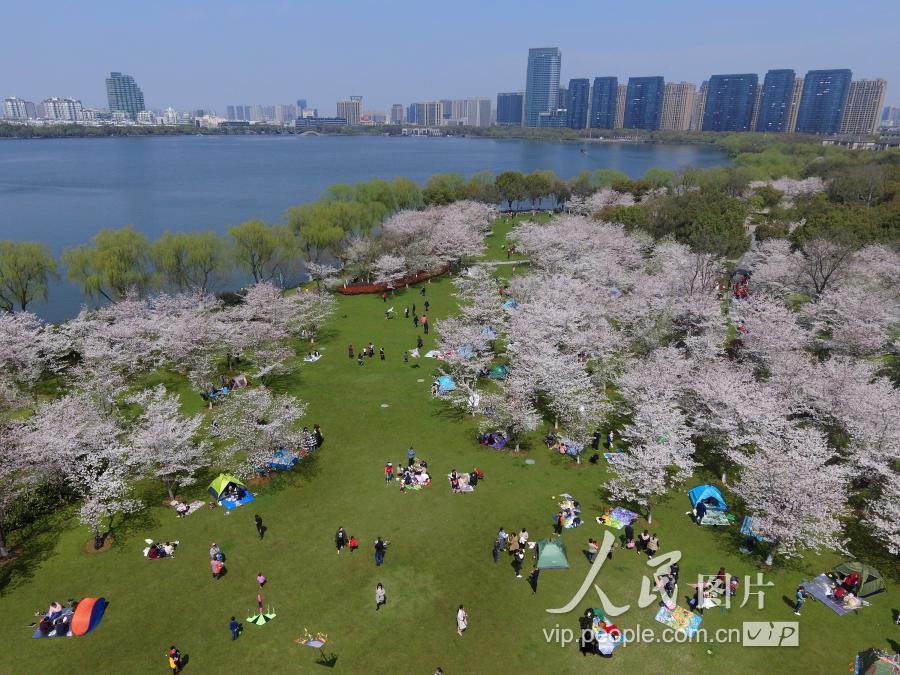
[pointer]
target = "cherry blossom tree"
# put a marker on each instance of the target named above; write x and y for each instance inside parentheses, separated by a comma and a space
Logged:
(883, 515)
(260, 327)
(479, 299)
(163, 443)
(107, 493)
(388, 268)
(28, 349)
(17, 474)
(322, 273)
(255, 423)
(794, 490)
(465, 351)
(510, 409)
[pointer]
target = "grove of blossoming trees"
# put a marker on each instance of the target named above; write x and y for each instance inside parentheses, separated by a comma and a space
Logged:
(93, 444)
(786, 396)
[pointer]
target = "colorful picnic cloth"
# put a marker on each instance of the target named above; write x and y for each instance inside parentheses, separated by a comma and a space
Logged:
(233, 504)
(617, 518)
(715, 517)
(679, 619)
(820, 589)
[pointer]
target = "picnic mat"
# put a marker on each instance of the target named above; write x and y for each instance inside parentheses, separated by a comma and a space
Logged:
(66, 612)
(195, 505)
(233, 504)
(819, 588)
(715, 517)
(679, 619)
(617, 518)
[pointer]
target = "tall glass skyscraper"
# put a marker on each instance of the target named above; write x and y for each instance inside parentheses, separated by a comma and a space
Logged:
(775, 104)
(603, 102)
(643, 102)
(577, 104)
(542, 83)
(124, 95)
(822, 103)
(729, 102)
(509, 109)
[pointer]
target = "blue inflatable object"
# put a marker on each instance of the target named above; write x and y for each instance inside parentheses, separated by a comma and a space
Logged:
(446, 383)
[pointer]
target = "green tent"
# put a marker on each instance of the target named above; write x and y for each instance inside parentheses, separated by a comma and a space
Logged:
(499, 372)
(870, 580)
(222, 481)
(551, 555)
(876, 662)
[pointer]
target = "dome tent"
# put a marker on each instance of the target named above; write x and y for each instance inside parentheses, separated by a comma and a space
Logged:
(870, 580)
(551, 555)
(709, 494)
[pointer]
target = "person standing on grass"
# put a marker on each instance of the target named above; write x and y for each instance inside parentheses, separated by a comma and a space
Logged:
(419, 342)
(427, 305)
(533, 580)
(380, 545)
(800, 599)
(260, 529)
(174, 657)
(410, 456)
(523, 537)
(495, 552)
(425, 323)
(406, 312)
(381, 353)
(502, 536)
(518, 560)
(384, 296)
(388, 473)
(380, 597)
(235, 628)
(416, 321)
(593, 549)
(340, 539)
(462, 618)
(350, 351)
(260, 579)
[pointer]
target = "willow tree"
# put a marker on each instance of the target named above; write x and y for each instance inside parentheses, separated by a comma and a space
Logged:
(26, 268)
(115, 263)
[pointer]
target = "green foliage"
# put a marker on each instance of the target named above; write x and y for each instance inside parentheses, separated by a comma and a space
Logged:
(538, 185)
(511, 186)
(26, 267)
(444, 188)
(117, 262)
(660, 178)
(707, 221)
(190, 260)
(264, 250)
(632, 217)
(769, 196)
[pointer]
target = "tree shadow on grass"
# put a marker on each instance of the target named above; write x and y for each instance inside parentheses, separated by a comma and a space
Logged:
(32, 547)
(124, 528)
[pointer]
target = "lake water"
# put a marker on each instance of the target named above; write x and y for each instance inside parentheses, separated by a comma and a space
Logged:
(63, 191)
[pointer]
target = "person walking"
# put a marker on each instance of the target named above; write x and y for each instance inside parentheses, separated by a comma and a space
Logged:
(416, 321)
(235, 628)
(425, 323)
(495, 552)
(422, 291)
(462, 618)
(380, 597)
(340, 539)
(410, 456)
(260, 579)
(427, 305)
(558, 523)
(419, 342)
(350, 351)
(381, 353)
(384, 296)
(502, 536)
(518, 560)
(593, 549)
(388, 473)
(414, 310)
(380, 545)
(800, 599)
(533, 579)
(406, 312)
(260, 528)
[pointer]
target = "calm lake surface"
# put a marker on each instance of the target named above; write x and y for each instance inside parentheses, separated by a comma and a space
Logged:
(63, 191)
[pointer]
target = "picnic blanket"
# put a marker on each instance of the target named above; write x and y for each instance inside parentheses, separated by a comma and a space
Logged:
(608, 637)
(748, 530)
(500, 443)
(195, 505)
(233, 504)
(433, 354)
(679, 619)
(715, 517)
(610, 456)
(618, 518)
(819, 588)
(312, 358)
(571, 513)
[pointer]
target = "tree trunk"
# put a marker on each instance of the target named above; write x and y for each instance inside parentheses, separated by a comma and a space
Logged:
(724, 476)
(170, 488)
(649, 517)
(770, 559)
(4, 551)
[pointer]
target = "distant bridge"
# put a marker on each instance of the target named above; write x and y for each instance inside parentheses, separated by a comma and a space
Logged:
(310, 133)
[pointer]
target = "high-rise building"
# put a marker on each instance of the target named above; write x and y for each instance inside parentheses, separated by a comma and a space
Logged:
(643, 102)
(621, 95)
(509, 109)
(677, 106)
(18, 110)
(62, 109)
(796, 96)
(864, 103)
(824, 98)
(478, 112)
(124, 95)
(542, 83)
(729, 102)
(285, 113)
(301, 106)
(428, 114)
(757, 100)
(603, 102)
(446, 108)
(699, 107)
(229, 114)
(577, 102)
(556, 119)
(350, 110)
(775, 100)
(397, 113)
(890, 117)
(459, 111)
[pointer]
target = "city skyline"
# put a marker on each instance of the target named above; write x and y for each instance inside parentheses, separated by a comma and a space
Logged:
(196, 71)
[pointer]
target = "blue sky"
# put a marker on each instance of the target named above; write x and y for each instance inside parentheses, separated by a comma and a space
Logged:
(209, 54)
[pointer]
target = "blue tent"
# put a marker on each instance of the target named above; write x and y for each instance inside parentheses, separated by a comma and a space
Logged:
(510, 304)
(465, 351)
(702, 493)
(282, 460)
(614, 292)
(446, 383)
(489, 333)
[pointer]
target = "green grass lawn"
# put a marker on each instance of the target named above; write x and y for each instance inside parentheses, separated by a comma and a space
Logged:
(439, 555)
